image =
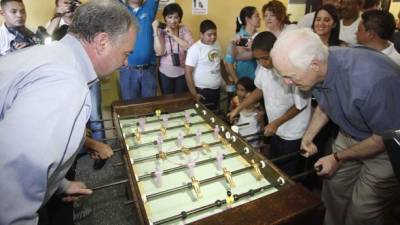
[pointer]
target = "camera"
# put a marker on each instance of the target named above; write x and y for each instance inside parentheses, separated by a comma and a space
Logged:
(73, 4)
(26, 36)
(242, 42)
(22, 35)
(175, 59)
(162, 25)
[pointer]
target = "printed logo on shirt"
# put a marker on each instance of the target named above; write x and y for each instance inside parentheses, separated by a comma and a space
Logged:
(214, 55)
(144, 15)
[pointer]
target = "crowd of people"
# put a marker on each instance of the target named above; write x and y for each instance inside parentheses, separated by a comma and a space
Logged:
(341, 56)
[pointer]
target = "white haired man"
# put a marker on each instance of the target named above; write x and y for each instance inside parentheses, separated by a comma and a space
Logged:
(357, 88)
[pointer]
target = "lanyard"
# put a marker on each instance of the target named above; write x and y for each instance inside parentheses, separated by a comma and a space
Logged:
(170, 44)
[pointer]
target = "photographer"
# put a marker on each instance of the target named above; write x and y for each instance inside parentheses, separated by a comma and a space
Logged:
(246, 28)
(171, 43)
(13, 33)
(58, 25)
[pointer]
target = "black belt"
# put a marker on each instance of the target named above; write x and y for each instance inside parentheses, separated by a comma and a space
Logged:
(142, 67)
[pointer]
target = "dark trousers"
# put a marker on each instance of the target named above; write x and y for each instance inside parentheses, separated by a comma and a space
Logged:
(281, 147)
(211, 97)
(172, 85)
(57, 212)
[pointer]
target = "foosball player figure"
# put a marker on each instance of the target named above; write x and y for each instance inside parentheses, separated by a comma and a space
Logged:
(158, 113)
(229, 199)
(196, 187)
(163, 130)
(138, 135)
(187, 127)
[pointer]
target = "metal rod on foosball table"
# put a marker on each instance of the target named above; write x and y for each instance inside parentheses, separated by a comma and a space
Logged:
(157, 156)
(116, 149)
(174, 138)
(171, 128)
(118, 164)
(189, 185)
(217, 203)
(109, 185)
(138, 116)
(287, 156)
(179, 168)
(108, 139)
(307, 173)
(254, 134)
(157, 120)
(166, 140)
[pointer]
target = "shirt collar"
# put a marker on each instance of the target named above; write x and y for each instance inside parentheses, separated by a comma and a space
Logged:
(82, 58)
(389, 50)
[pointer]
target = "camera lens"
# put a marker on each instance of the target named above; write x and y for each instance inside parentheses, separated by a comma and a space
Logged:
(162, 25)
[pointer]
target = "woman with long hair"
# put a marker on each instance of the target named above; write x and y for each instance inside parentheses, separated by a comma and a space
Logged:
(326, 24)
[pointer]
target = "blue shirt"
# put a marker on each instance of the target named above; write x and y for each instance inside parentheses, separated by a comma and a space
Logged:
(44, 107)
(361, 91)
(143, 52)
(244, 68)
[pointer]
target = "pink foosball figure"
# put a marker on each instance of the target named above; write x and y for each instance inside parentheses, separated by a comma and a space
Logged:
(187, 116)
(191, 165)
(158, 175)
(198, 136)
(142, 123)
(179, 139)
(165, 120)
(220, 158)
(159, 142)
(216, 132)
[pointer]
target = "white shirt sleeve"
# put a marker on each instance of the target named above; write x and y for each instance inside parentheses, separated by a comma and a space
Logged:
(34, 135)
(258, 79)
(192, 56)
(301, 99)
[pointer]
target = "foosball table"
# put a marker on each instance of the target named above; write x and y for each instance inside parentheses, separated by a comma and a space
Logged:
(186, 165)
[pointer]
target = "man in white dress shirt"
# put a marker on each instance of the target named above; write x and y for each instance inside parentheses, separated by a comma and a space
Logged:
(45, 104)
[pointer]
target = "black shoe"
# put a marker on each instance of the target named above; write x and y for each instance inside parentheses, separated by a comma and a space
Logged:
(81, 213)
(99, 163)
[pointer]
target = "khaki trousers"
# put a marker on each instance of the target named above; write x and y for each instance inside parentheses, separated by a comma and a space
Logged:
(359, 191)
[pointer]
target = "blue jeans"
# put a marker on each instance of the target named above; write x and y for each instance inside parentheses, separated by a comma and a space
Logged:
(173, 85)
(95, 114)
(137, 82)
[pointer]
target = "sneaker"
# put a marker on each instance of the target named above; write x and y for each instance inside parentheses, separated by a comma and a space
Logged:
(99, 163)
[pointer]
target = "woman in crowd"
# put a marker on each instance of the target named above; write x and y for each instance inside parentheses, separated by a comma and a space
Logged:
(239, 60)
(171, 44)
(275, 17)
(326, 24)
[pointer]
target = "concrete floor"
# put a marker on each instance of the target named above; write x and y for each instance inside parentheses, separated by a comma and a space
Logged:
(108, 204)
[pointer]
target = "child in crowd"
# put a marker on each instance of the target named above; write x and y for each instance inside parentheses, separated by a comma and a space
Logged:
(253, 114)
(288, 110)
(204, 69)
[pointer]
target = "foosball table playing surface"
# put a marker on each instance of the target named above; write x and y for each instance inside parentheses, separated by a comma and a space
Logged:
(185, 165)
